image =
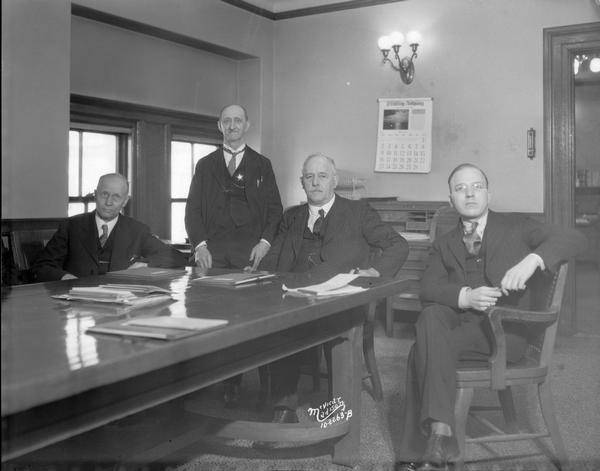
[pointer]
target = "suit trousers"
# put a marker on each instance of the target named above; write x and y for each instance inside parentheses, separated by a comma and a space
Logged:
(444, 337)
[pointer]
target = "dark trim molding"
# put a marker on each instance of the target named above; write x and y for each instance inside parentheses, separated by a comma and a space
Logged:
(347, 5)
(143, 28)
(252, 8)
(112, 112)
(560, 46)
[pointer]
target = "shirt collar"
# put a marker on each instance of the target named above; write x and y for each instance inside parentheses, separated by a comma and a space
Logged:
(99, 222)
(314, 210)
(239, 149)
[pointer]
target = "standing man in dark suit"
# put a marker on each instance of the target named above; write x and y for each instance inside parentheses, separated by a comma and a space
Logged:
(488, 259)
(233, 207)
(103, 240)
(318, 240)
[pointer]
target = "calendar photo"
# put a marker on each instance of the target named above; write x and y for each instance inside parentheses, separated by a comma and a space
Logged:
(404, 135)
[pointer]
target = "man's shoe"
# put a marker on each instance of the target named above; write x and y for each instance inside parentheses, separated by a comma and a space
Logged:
(436, 454)
(406, 466)
(231, 396)
(283, 415)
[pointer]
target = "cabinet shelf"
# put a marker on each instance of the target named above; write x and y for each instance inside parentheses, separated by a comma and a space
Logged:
(587, 190)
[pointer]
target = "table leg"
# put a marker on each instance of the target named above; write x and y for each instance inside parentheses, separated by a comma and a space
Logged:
(347, 381)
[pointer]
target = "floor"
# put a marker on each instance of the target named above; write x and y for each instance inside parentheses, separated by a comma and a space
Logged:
(174, 436)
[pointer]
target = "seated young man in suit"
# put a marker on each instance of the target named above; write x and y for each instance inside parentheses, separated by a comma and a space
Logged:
(103, 240)
(488, 259)
(318, 240)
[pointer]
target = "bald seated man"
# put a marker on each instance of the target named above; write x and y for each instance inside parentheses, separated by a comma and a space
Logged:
(103, 240)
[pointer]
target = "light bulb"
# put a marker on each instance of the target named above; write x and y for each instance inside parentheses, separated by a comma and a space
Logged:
(414, 37)
(397, 38)
(595, 65)
(384, 43)
(575, 66)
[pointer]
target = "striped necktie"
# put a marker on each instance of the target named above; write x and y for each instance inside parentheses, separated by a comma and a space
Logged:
(471, 238)
(104, 236)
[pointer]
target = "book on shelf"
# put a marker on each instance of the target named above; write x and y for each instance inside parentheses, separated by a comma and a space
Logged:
(148, 273)
(235, 278)
(161, 327)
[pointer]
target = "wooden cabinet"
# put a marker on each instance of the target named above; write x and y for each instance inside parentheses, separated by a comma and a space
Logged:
(414, 220)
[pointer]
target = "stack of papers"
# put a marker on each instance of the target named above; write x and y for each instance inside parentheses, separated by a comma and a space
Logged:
(336, 286)
(148, 273)
(162, 327)
(135, 295)
(235, 279)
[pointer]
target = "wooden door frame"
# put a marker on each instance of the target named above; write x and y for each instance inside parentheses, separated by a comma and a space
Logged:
(560, 46)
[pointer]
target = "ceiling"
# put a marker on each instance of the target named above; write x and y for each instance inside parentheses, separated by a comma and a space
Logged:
(281, 9)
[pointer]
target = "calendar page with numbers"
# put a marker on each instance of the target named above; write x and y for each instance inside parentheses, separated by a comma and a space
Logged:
(404, 135)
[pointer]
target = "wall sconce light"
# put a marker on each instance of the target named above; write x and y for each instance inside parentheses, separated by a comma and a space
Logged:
(394, 41)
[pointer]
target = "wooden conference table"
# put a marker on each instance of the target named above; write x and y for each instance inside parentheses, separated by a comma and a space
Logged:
(58, 381)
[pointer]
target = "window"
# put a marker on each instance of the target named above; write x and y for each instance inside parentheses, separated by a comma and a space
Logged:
(91, 155)
(184, 157)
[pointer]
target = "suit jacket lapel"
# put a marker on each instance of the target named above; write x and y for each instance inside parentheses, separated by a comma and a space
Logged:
(216, 167)
(457, 246)
(251, 170)
(120, 241)
(335, 220)
(493, 237)
(89, 236)
(297, 228)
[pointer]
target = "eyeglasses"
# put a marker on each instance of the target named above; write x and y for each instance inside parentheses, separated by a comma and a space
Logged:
(463, 187)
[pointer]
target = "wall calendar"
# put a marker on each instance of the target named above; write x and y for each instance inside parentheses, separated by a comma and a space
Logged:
(404, 135)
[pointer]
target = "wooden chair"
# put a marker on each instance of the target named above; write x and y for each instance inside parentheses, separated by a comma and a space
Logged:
(500, 377)
(26, 246)
(444, 219)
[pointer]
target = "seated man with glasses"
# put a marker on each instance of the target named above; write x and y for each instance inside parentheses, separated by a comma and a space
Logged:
(103, 240)
(488, 259)
(318, 240)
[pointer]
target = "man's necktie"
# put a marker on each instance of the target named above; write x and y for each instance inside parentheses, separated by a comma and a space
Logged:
(319, 223)
(231, 165)
(471, 238)
(104, 236)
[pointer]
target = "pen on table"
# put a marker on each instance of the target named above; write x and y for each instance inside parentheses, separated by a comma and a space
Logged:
(133, 259)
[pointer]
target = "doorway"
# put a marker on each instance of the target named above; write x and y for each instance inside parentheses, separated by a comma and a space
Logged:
(561, 46)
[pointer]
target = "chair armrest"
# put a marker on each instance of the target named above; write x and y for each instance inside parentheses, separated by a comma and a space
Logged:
(496, 316)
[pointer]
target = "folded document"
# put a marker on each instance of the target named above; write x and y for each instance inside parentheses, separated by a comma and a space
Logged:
(336, 286)
(235, 279)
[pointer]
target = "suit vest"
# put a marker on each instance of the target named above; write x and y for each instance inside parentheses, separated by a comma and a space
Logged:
(105, 253)
(475, 268)
(237, 210)
(310, 251)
